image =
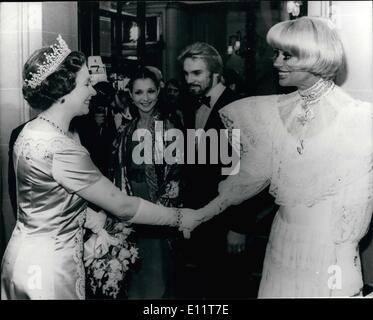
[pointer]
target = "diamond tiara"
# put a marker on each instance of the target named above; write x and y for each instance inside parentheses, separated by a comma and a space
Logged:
(52, 61)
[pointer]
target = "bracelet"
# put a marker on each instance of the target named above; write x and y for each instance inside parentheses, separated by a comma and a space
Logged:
(179, 216)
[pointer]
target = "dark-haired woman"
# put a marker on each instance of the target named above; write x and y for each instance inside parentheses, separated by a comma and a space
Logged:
(155, 180)
(55, 179)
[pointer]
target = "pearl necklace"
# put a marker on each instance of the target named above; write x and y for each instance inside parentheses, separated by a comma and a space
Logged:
(53, 124)
(314, 93)
(309, 97)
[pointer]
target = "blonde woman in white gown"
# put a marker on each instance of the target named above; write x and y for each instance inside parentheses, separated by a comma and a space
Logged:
(314, 148)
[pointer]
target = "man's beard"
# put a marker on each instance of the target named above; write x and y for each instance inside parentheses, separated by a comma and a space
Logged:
(198, 91)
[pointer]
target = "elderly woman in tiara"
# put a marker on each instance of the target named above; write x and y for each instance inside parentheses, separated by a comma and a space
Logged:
(55, 179)
(314, 147)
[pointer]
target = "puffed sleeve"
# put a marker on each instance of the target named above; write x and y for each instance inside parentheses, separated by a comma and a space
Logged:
(253, 117)
(73, 168)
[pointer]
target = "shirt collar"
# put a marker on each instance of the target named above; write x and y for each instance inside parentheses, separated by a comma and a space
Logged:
(215, 93)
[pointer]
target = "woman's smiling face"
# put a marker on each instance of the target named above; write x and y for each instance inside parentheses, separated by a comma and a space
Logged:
(80, 97)
(287, 76)
(144, 94)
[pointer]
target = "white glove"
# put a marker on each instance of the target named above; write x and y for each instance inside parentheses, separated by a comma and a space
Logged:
(190, 218)
(95, 220)
(152, 214)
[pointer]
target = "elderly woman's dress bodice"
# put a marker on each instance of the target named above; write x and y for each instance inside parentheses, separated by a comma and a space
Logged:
(318, 161)
(44, 257)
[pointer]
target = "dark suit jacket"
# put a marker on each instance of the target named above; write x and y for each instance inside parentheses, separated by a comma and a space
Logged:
(98, 142)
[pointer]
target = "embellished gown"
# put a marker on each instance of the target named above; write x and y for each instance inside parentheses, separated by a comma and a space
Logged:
(44, 257)
(316, 154)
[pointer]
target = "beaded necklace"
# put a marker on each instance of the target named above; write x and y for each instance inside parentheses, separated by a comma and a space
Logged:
(310, 97)
(53, 124)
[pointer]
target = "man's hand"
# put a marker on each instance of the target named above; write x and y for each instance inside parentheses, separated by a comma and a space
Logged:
(236, 242)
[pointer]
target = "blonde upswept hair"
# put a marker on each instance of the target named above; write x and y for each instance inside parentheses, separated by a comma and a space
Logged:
(314, 41)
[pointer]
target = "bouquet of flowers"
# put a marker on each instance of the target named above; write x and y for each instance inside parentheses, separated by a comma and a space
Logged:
(106, 274)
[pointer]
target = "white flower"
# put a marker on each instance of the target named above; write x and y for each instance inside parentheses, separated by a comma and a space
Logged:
(98, 273)
(108, 272)
(125, 264)
(293, 7)
(114, 264)
(117, 275)
(134, 254)
(98, 264)
(124, 254)
(122, 237)
(127, 231)
(120, 226)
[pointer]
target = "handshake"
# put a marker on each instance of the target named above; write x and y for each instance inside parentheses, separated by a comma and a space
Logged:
(186, 220)
(189, 219)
